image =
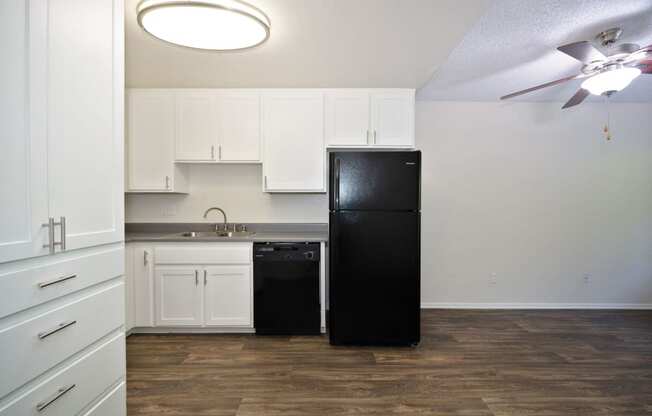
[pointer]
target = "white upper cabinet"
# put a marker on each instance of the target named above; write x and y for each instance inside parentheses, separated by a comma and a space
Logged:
(196, 137)
(227, 296)
(370, 118)
(150, 143)
(238, 126)
(392, 118)
(293, 135)
(23, 160)
(347, 118)
(62, 114)
(85, 119)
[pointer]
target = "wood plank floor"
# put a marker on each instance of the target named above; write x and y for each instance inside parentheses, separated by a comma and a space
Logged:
(472, 363)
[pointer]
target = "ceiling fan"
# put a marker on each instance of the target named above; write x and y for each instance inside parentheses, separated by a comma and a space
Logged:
(602, 74)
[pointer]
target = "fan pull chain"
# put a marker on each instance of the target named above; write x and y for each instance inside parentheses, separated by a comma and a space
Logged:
(607, 127)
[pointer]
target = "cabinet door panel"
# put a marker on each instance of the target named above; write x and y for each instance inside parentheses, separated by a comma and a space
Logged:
(196, 137)
(392, 118)
(143, 277)
(85, 119)
(227, 296)
(347, 118)
(238, 120)
(293, 134)
(23, 161)
(178, 299)
(150, 140)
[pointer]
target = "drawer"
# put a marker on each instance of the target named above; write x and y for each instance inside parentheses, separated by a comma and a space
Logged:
(32, 346)
(114, 404)
(204, 253)
(71, 389)
(34, 285)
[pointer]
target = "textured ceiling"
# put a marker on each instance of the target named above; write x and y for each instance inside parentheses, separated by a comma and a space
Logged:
(315, 43)
(513, 47)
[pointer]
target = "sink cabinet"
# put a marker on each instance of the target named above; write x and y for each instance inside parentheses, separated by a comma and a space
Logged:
(205, 286)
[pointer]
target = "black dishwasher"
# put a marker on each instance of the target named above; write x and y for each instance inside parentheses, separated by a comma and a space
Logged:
(286, 288)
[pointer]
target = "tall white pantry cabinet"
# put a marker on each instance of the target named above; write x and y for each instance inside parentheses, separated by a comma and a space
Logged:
(61, 213)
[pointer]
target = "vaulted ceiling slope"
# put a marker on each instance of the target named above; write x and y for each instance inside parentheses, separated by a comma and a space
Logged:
(315, 43)
(513, 47)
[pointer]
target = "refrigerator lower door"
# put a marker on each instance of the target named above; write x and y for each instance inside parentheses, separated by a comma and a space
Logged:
(374, 278)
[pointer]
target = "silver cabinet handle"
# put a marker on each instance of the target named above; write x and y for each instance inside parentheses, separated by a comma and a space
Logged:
(45, 403)
(374, 136)
(62, 224)
(62, 325)
(145, 257)
(57, 280)
(219, 152)
(212, 152)
(50, 244)
(51, 240)
(196, 278)
(265, 182)
(205, 279)
(167, 182)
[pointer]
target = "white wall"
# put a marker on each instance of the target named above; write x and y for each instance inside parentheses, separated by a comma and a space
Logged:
(537, 196)
(235, 188)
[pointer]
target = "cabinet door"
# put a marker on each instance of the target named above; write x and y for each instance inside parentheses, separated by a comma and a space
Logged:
(142, 271)
(227, 296)
(196, 138)
(85, 119)
(392, 118)
(178, 296)
(347, 118)
(238, 125)
(23, 105)
(293, 136)
(150, 138)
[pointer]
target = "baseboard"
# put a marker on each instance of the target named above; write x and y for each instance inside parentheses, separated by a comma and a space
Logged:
(448, 305)
(191, 330)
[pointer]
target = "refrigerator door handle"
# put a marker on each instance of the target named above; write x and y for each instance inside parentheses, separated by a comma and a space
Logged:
(337, 183)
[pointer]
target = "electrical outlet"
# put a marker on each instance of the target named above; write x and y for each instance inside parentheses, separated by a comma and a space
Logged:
(493, 279)
(587, 279)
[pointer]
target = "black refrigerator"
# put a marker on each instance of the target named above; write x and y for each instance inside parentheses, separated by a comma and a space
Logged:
(374, 248)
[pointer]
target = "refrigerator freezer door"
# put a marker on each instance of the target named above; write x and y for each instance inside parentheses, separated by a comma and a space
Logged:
(387, 181)
(374, 278)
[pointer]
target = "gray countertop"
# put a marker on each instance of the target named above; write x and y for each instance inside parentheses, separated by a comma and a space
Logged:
(263, 232)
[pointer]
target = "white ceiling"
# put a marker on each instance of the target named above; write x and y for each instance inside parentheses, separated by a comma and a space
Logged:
(315, 43)
(513, 47)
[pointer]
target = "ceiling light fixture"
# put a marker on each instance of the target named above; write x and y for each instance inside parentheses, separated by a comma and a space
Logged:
(221, 25)
(612, 79)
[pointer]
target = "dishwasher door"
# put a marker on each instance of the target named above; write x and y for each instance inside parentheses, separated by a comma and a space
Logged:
(286, 288)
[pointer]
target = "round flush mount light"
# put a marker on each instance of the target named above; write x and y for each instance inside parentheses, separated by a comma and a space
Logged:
(220, 25)
(611, 79)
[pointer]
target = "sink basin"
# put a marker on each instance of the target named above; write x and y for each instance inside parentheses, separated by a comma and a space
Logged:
(213, 234)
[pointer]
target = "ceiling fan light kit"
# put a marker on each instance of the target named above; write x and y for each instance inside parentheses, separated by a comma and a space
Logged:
(611, 80)
(218, 25)
(603, 74)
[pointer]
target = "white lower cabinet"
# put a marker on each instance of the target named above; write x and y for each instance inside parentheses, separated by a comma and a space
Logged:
(227, 296)
(190, 285)
(178, 296)
(78, 384)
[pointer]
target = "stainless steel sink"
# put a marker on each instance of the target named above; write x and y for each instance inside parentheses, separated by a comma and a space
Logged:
(213, 234)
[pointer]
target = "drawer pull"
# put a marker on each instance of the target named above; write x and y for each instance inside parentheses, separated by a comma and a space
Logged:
(45, 403)
(55, 281)
(62, 325)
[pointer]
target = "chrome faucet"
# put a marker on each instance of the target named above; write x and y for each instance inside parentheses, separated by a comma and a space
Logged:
(217, 227)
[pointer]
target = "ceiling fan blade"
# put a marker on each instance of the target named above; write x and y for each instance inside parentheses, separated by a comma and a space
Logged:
(640, 55)
(582, 51)
(576, 99)
(538, 87)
